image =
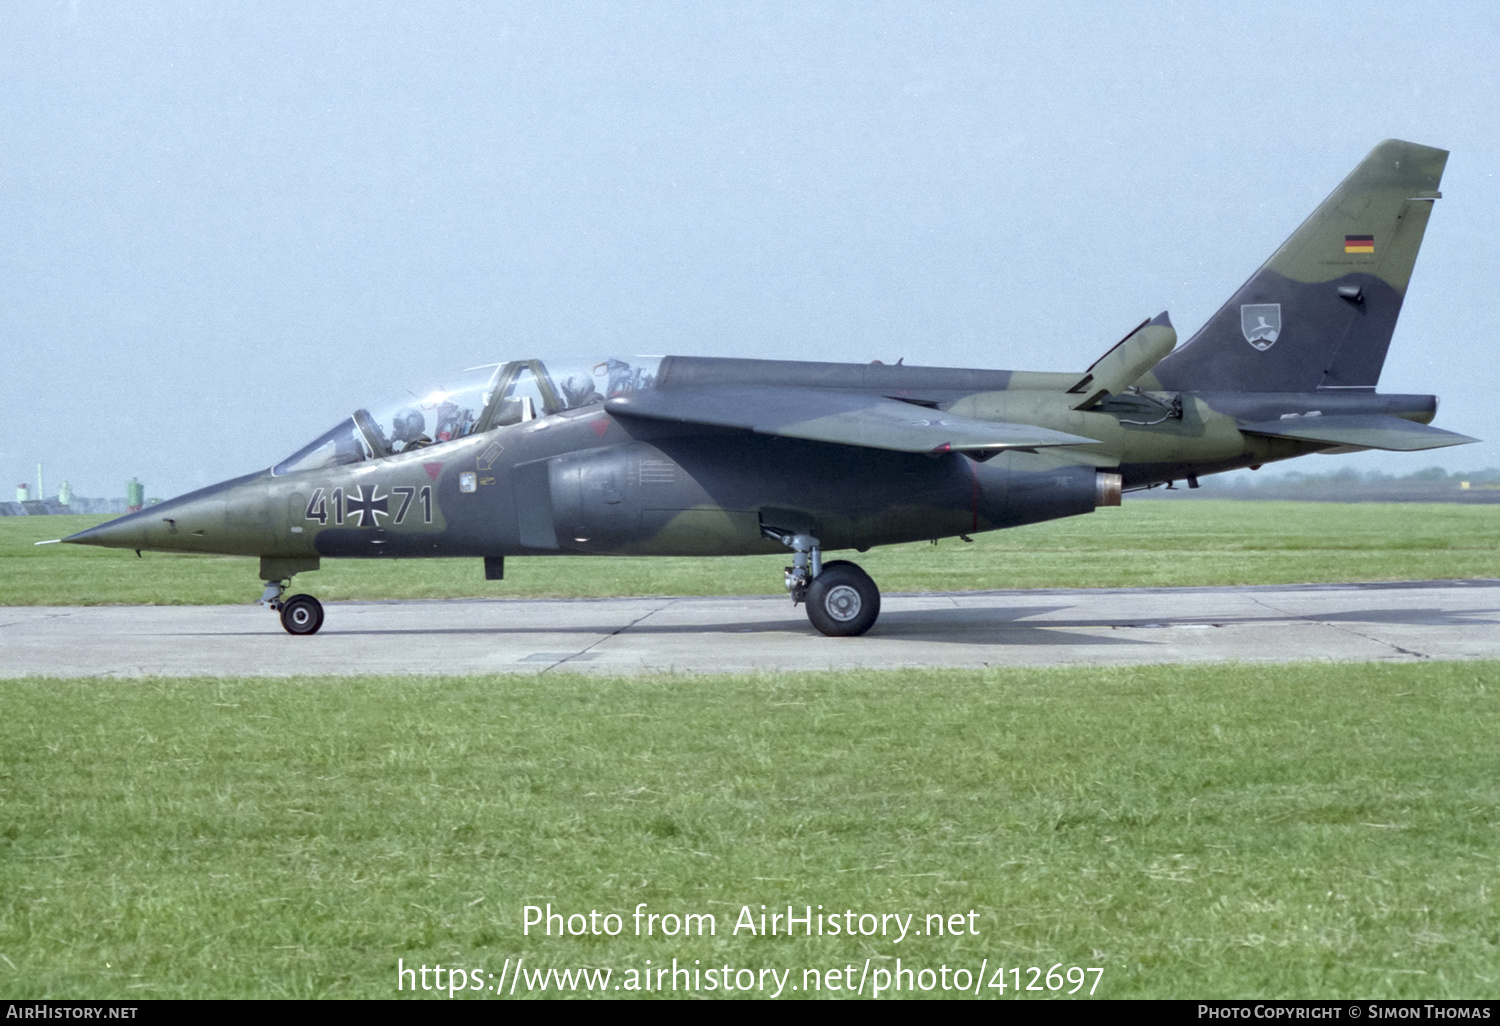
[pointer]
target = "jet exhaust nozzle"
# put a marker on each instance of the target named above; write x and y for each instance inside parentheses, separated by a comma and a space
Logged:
(1107, 488)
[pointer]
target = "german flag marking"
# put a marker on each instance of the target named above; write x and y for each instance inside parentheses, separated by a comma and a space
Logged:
(1359, 243)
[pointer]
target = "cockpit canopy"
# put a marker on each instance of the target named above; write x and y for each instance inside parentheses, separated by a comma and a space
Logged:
(478, 399)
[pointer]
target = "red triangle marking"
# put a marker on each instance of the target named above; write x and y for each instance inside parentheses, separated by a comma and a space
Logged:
(600, 426)
(433, 470)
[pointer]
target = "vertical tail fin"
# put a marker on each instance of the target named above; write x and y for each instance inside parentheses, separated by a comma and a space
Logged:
(1320, 312)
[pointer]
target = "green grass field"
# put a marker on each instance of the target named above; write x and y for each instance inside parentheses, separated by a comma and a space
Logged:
(1281, 831)
(1145, 543)
(1285, 831)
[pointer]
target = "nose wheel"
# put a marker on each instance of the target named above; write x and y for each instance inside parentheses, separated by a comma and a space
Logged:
(302, 614)
(842, 601)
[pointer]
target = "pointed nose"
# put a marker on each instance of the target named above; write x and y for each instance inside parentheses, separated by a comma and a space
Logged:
(128, 532)
(231, 517)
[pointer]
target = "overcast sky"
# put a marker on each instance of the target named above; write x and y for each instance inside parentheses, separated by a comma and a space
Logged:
(225, 226)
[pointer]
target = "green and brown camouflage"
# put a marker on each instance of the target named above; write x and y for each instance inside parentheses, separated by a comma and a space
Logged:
(695, 456)
(1339, 281)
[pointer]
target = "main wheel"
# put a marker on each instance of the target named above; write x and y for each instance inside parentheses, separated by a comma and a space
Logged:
(302, 614)
(842, 601)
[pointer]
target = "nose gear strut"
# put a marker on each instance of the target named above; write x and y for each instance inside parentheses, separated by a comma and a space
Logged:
(271, 597)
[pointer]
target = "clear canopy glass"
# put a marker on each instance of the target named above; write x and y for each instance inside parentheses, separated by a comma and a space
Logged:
(438, 413)
(477, 399)
(582, 382)
(340, 444)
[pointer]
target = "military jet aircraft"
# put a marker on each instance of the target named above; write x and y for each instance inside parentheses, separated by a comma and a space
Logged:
(694, 456)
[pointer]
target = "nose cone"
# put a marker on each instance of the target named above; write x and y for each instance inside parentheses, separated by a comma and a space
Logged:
(127, 532)
(232, 517)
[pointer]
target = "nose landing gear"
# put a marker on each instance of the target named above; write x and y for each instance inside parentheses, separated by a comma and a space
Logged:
(842, 601)
(300, 614)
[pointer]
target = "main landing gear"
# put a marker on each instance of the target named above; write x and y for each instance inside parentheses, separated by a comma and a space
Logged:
(842, 601)
(300, 614)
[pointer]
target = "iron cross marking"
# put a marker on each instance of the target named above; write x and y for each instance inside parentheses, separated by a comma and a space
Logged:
(373, 507)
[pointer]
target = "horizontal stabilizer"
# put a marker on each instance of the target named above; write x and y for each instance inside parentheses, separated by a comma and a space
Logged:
(1368, 431)
(837, 417)
(1123, 365)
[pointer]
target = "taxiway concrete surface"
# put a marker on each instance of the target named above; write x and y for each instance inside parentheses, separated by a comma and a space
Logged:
(1368, 622)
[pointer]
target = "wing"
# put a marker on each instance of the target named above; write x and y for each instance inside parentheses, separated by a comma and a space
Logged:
(1368, 431)
(842, 418)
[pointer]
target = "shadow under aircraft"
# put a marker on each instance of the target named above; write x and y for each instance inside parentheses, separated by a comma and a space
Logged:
(694, 456)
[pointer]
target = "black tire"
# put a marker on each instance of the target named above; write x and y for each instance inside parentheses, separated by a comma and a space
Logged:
(302, 614)
(842, 601)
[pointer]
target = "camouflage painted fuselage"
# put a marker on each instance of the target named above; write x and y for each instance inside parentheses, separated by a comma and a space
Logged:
(587, 481)
(729, 456)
